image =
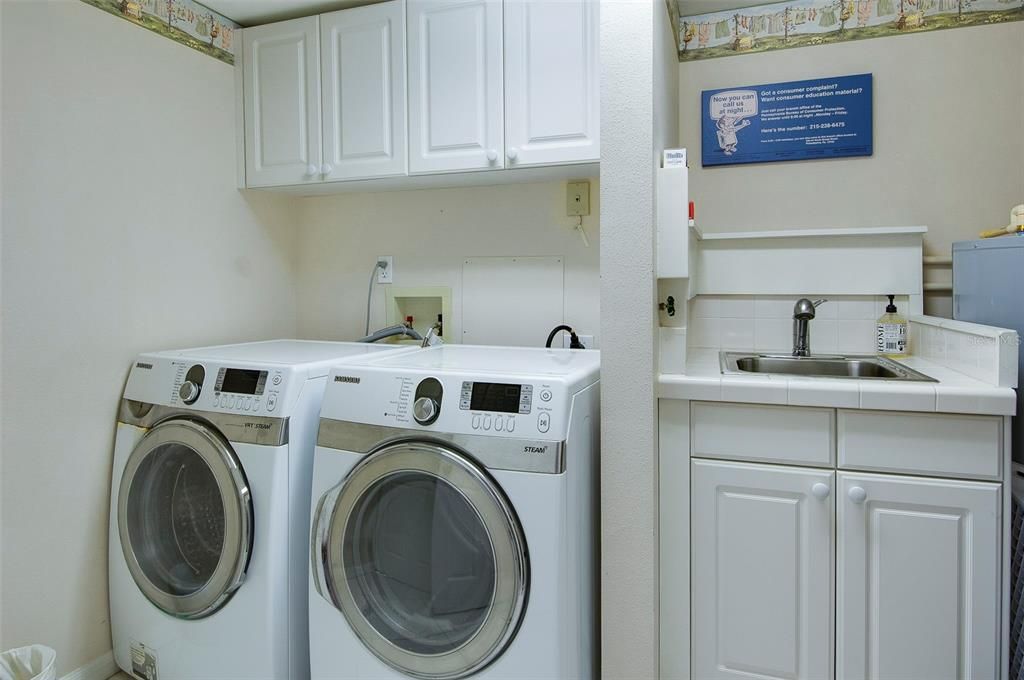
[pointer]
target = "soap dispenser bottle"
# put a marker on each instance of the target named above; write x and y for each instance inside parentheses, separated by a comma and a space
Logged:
(891, 332)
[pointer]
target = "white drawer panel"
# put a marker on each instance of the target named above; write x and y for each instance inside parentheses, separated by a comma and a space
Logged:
(939, 444)
(756, 432)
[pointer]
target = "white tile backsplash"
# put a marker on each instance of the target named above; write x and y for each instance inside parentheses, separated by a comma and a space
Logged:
(773, 335)
(857, 309)
(855, 336)
(723, 307)
(765, 322)
(773, 307)
(824, 336)
(981, 352)
(736, 333)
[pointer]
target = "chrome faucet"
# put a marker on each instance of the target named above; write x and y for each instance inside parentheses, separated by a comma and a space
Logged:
(803, 312)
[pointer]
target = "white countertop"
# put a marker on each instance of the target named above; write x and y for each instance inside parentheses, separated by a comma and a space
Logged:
(953, 393)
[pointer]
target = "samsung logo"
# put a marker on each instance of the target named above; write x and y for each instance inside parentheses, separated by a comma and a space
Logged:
(142, 364)
(347, 379)
(535, 449)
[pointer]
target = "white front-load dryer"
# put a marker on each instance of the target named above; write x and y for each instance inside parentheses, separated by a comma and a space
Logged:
(454, 517)
(208, 560)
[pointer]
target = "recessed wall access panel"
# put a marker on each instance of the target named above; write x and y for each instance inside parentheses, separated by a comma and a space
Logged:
(512, 301)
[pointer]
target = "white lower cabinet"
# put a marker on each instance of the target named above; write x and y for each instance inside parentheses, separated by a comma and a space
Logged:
(907, 568)
(918, 584)
(762, 571)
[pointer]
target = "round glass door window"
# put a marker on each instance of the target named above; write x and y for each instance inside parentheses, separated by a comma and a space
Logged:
(185, 519)
(425, 559)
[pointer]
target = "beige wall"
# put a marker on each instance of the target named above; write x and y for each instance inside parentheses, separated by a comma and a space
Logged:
(122, 232)
(949, 139)
(429, 233)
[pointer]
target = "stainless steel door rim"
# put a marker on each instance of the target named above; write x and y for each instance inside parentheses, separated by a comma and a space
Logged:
(333, 540)
(235, 505)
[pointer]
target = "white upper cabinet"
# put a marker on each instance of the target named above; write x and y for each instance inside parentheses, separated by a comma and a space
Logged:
(552, 96)
(455, 85)
(761, 571)
(363, 66)
(421, 87)
(918, 584)
(281, 94)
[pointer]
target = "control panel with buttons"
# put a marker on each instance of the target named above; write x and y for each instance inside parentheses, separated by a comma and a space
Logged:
(232, 390)
(502, 397)
(427, 399)
(505, 408)
(496, 422)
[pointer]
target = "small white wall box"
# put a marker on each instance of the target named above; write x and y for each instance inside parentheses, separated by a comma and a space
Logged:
(673, 214)
(424, 304)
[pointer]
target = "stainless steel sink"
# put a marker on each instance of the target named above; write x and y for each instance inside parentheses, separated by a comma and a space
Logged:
(819, 366)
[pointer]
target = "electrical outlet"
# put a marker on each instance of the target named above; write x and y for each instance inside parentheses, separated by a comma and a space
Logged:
(585, 340)
(577, 199)
(386, 273)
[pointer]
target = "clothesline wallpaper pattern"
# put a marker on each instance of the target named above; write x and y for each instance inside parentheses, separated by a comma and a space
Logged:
(805, 23)
(184, 21)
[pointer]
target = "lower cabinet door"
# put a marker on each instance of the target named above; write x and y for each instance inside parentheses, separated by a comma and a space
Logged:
(918, 579)
(762, 568)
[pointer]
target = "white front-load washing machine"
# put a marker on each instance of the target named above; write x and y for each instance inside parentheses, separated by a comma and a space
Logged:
(454, 516)
(209, 509)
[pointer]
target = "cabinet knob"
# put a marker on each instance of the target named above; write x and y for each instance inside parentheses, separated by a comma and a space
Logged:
(821, 491)
(857, 494)
(310, 170)
(512, 153)
(492, 155)
(326, 169)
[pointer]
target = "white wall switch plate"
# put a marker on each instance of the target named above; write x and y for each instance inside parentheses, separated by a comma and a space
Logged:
(577, 199)
(386, 274)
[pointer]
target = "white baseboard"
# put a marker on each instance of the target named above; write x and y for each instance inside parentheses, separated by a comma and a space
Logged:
(100, 668)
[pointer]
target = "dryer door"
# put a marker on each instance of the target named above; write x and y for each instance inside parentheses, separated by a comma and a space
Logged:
(185, 518)
(423, 554)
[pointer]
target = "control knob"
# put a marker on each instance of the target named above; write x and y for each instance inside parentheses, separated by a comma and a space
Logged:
(189, 392)
(425, 410)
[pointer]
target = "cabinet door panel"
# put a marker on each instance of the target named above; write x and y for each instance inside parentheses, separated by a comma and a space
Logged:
(918, 580)
(455, 85)
(363, 62)
(552, 95)
(281, 94)
(762, 571)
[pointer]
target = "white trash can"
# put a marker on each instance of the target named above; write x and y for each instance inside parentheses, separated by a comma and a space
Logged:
(35, 662)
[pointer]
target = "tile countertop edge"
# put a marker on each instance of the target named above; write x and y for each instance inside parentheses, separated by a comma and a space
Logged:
(861, 394)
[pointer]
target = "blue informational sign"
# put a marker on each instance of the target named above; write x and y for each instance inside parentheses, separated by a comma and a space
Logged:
(822, 118)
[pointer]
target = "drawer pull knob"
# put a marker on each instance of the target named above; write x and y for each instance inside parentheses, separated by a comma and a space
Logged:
(857, 494)
(821, 491)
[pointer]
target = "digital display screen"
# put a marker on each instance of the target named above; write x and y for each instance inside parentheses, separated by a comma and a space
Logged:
(243, 381)
(499, 397)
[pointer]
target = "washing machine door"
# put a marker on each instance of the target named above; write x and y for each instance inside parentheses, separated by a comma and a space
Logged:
(185, 518)
(423, 554)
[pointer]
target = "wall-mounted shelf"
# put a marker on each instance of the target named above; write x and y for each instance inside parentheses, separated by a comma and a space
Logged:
(809, 233)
